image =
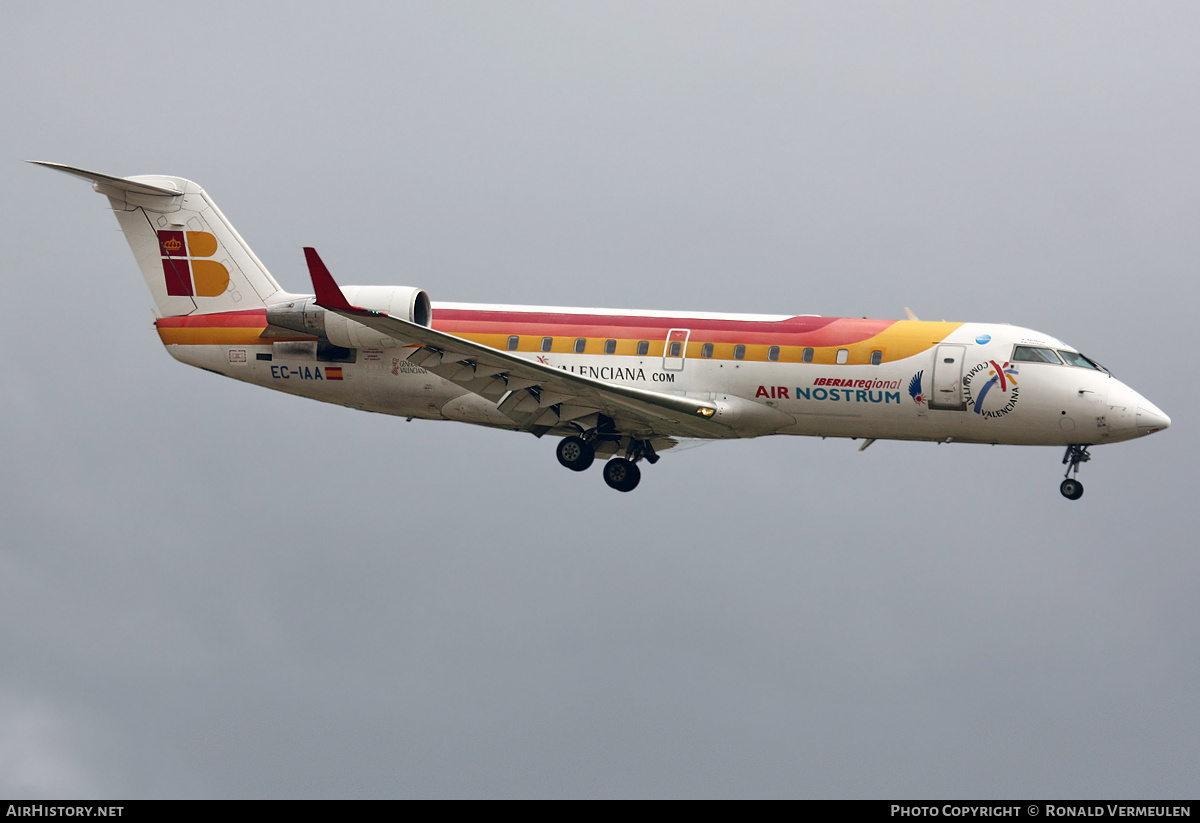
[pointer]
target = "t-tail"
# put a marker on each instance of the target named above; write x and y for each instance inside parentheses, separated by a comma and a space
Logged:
(192, 258)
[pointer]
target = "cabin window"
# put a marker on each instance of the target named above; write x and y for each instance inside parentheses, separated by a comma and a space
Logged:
(513, 340)
(580, 344)
(876, 357)
(843, 356)
(1035, 354)
(547, 342)
(610, 346)
(807, 355)
(739, 352)
(643, 347)
(706, 350)
(676, 349)
(773, 353)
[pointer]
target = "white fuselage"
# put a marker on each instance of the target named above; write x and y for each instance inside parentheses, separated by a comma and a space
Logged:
(916, 397)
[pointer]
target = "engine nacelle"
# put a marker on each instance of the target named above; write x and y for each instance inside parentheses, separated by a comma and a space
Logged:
(304, 315)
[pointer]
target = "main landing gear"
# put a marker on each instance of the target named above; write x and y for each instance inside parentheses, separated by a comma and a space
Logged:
(578, 453)
(1071, 488)
(621, 474)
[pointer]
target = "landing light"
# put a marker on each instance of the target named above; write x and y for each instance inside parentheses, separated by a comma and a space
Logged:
(706, 412)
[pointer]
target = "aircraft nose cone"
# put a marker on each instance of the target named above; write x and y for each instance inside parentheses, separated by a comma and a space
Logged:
(1131, 415)
(1150, 419)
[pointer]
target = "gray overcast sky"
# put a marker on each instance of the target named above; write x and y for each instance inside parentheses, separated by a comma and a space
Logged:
(211, 590)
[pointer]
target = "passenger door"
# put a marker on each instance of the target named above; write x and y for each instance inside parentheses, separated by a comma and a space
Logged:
(947, 387)
(676, 349)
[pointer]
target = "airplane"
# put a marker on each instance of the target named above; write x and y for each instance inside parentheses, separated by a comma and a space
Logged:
(620, 385)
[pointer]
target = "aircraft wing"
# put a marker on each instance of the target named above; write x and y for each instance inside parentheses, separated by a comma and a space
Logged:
(539, 397)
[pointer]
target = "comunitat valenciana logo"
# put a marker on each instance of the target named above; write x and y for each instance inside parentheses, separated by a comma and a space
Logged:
(185, 270)
(991, 389)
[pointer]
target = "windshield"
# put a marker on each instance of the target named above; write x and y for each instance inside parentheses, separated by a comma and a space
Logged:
(1074, 358)
(1035, 354)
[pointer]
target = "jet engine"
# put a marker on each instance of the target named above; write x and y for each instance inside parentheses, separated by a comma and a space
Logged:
(304, 315)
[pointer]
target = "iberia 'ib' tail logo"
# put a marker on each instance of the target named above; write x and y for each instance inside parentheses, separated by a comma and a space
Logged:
(186, 272)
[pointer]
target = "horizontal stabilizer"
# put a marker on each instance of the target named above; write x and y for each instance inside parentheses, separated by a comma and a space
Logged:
(107, 180)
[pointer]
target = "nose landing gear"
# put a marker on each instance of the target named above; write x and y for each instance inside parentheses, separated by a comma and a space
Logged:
(1071, 488)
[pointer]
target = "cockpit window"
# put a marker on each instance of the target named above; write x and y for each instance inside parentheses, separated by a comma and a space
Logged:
(1074, 358)
(1035, 354)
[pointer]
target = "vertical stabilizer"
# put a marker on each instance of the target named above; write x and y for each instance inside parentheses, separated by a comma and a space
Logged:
(193, 260)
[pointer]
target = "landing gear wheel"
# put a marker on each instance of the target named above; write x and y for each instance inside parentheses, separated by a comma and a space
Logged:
(1076, 456)
(621, 474)
(1071, 489)
(575, 453)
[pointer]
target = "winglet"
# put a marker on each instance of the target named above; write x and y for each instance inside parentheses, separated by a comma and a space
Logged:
(329, 294)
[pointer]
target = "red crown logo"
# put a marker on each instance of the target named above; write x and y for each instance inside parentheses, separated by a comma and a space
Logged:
(172, 245)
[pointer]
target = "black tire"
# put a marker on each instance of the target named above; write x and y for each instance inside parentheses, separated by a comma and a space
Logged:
(575, 453)
(1071, 489)
(621, 474)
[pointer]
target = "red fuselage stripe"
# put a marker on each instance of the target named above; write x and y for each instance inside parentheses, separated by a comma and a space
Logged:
(796, 331)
